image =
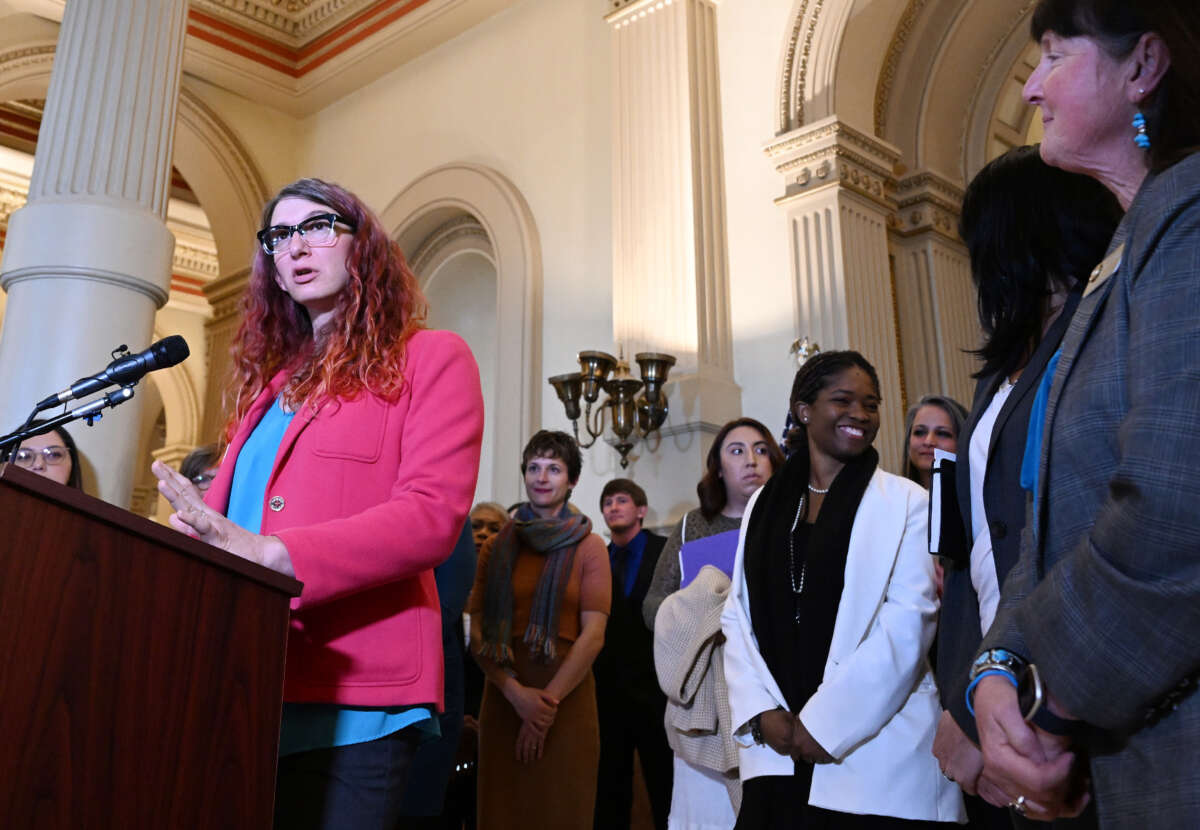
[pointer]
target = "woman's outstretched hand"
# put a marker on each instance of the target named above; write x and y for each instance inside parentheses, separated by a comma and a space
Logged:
(194, 517)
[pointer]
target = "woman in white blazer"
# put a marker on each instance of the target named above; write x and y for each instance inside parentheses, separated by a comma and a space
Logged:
(828, 622)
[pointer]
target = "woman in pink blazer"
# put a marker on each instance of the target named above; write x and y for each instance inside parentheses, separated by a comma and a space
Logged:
(353, 450)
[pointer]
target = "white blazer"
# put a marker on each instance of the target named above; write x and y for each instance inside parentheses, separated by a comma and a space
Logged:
(876, 710)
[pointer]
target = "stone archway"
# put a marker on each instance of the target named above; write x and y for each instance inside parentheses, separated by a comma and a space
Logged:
(503, 215)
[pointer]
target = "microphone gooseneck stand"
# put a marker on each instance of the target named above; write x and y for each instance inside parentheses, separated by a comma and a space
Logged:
(89, 412)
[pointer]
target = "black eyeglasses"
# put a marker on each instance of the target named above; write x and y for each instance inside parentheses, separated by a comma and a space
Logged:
(319, 231)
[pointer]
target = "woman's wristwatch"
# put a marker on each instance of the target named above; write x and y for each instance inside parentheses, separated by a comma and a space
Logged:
(1031, 698)
(1031, 695)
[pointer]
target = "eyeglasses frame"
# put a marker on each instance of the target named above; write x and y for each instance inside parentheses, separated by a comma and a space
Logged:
(66, 451)
(292, 230)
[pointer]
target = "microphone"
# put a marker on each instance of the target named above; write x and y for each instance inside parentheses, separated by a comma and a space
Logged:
(124, 370)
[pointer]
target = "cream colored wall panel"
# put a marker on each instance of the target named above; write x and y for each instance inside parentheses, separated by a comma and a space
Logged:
(527, 94)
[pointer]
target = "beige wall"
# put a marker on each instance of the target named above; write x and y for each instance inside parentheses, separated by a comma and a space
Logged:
(752, 38)
(472, 100)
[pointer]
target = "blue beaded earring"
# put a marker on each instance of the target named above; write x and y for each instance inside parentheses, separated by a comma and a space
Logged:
(1141, 139)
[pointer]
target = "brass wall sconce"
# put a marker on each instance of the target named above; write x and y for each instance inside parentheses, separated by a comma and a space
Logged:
(630, 412)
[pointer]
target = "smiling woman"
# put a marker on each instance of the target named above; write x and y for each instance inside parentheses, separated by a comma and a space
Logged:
(934, 422)
(353, 448)
(1109, 564)
(828, 621)
(538, 614)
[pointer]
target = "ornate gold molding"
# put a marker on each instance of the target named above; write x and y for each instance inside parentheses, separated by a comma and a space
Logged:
(883, 89)
(795, 67)
(292, 21)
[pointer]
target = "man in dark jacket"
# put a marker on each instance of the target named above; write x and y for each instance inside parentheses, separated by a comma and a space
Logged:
(628, 698)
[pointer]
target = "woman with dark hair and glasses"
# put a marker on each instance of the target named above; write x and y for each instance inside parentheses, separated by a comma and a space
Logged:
(1027, 294)
(742, 457)
(353, 449)
(53, 455)
(830, 616)
(200, 466)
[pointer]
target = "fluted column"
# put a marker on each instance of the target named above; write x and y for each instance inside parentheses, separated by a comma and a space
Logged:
(838, 186)
(670, 262)
(87, 260)
(934, 292)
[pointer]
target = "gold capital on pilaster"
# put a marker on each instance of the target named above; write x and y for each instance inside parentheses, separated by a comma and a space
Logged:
(936, 299)
(830, 152)
(224, 294)
(927, 201)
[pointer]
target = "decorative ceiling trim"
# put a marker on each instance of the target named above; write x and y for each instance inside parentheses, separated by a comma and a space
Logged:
(296, 20)
(297, 57)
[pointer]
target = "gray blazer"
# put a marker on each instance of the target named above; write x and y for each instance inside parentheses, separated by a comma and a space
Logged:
(1106, 596)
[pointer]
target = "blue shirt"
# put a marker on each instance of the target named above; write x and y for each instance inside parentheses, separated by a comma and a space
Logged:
(1035, 437)
(631, 555)
(307, 725)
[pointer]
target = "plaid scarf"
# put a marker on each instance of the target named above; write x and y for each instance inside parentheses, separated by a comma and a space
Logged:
(556, 539)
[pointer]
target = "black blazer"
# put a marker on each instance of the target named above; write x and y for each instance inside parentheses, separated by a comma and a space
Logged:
(625, 666)
(958, 628)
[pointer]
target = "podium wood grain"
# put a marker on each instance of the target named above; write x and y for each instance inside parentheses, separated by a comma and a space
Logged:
(141, 672)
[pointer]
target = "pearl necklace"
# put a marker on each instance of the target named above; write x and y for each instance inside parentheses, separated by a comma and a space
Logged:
(796, 589)
(812, 489)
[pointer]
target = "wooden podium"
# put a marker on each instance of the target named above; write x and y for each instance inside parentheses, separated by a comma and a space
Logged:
(141, 671)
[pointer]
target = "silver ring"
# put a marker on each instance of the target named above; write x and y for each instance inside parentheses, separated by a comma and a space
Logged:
(1019, 804)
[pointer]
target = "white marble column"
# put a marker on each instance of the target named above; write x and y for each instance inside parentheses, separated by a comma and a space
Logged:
(671, 273)
(935, 296)
(87, 260)
(838, 186)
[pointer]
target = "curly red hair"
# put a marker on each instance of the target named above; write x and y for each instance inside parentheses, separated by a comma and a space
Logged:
(381, 308)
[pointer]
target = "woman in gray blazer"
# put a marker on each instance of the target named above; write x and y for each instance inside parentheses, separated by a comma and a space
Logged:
(1099, 618)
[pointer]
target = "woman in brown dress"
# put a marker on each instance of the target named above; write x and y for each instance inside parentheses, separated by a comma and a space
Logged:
(538, 612)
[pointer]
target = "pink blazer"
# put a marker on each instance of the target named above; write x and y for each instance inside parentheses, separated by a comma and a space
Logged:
(368, 497)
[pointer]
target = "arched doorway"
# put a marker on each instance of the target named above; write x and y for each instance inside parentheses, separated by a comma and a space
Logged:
(466, 227)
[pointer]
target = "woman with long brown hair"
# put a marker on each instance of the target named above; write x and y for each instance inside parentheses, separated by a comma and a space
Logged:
(742, 458)
(353, 449)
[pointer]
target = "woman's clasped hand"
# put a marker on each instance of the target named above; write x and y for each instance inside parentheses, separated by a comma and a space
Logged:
(785, 733)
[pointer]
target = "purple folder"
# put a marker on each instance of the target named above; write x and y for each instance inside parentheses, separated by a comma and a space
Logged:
(718, 551)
